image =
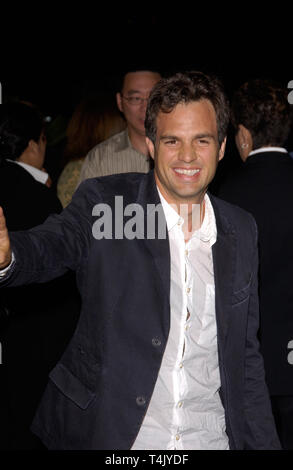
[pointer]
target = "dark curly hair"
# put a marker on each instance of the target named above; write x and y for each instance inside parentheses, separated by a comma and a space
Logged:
(262, 107)
(185, 88)
(19, 123)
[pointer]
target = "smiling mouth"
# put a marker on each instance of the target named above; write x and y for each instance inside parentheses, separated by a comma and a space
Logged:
(182, 171)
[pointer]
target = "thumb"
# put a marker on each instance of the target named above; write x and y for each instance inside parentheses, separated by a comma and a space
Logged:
(5, 251)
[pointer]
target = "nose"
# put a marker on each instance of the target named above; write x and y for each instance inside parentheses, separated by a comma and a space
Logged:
(143, 103)
(187, 153)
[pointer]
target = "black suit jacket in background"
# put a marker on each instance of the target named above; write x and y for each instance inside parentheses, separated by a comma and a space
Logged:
(36, 321)
(264, 187)
(99, 391)
(26, 202)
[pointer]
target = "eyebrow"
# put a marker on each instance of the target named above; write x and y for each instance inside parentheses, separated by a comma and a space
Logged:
(205, 135)
(167, 137)
(133, 92)
(197, 136)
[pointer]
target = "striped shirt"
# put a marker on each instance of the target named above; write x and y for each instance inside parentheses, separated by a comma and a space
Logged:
(114, 155)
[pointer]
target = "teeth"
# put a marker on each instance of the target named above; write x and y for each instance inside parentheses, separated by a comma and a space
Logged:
(186, 172)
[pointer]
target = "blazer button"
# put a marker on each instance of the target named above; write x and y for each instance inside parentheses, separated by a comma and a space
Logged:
(81, 351)
(156, 342)
(140, 401)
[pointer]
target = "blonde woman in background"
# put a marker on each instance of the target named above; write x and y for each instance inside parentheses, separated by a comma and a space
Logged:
(94, 120)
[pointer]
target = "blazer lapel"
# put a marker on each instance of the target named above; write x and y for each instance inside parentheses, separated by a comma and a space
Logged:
(224, 258)
(158, 248)
(224, 255)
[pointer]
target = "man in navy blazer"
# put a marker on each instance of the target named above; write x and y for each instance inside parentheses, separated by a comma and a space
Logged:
(111, 387)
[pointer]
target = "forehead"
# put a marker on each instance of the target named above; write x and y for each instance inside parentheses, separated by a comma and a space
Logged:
(195, 116)
(140, 81)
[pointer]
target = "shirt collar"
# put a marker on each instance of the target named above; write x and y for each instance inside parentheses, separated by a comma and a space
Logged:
(268, 149)
(124, 144)
(208, 230)
(38, 175)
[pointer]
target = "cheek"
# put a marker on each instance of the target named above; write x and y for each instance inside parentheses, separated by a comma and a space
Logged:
(133, 112)
(164, 159)
(210, 156)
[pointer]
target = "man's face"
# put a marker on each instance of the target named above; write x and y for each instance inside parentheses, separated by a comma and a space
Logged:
(186, 151)
(136, 85)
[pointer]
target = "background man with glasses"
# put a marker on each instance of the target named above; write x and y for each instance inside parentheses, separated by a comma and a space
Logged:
(127, 151)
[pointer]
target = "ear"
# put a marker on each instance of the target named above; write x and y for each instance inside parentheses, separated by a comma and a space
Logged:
(32, 145)
(119, 101)
(244, 134)
(222, 149)
(151, 147)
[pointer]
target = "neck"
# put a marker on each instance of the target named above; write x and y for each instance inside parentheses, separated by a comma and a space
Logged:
(138, 141)
(29, 159)
(193, 219)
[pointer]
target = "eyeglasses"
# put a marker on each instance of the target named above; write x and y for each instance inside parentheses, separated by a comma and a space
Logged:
(134, 100)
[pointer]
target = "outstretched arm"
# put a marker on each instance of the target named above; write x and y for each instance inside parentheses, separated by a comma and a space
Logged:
(47, 251)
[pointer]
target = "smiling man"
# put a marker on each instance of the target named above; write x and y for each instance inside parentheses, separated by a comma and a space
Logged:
(165, 355)
(186, 151)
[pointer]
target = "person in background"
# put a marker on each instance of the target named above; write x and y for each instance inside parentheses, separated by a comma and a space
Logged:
(94, 120)
(127, 151)
(262, 119)
(24, 184)
(36, 321)
(165, 355)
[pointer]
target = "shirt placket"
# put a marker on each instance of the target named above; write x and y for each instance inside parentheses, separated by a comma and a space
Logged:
(181, 389)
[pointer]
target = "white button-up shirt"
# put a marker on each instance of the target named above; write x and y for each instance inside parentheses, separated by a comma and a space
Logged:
(185, 411)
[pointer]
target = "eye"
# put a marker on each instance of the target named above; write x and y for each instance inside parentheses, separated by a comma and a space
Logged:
(171, 142)
(133, 99)
(203, 142)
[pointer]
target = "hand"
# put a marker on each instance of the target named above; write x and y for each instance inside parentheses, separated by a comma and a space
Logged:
(5, 250)
(49, 181)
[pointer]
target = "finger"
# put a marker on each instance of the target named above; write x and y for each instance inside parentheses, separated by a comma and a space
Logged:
(2, 220)
(3, 227)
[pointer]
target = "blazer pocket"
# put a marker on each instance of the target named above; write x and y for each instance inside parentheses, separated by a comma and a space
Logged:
(71, 386)
(241, 295)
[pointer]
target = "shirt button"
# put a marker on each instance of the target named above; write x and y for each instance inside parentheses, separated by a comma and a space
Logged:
(177, 437)
(188, 290)
(81, 350)
(180, 404)
(140, 401)
(181, 365)
(156, 342)
(186, 252)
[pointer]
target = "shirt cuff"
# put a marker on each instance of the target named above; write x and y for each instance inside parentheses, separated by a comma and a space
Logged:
(4, 271)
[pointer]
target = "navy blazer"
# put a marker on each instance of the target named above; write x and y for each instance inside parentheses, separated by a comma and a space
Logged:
(99, 391)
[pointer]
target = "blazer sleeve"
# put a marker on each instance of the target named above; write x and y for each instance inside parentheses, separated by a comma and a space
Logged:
(60, 244)
(260, 431)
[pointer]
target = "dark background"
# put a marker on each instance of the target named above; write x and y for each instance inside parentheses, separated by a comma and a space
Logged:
(54, 54)
(55, 57)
